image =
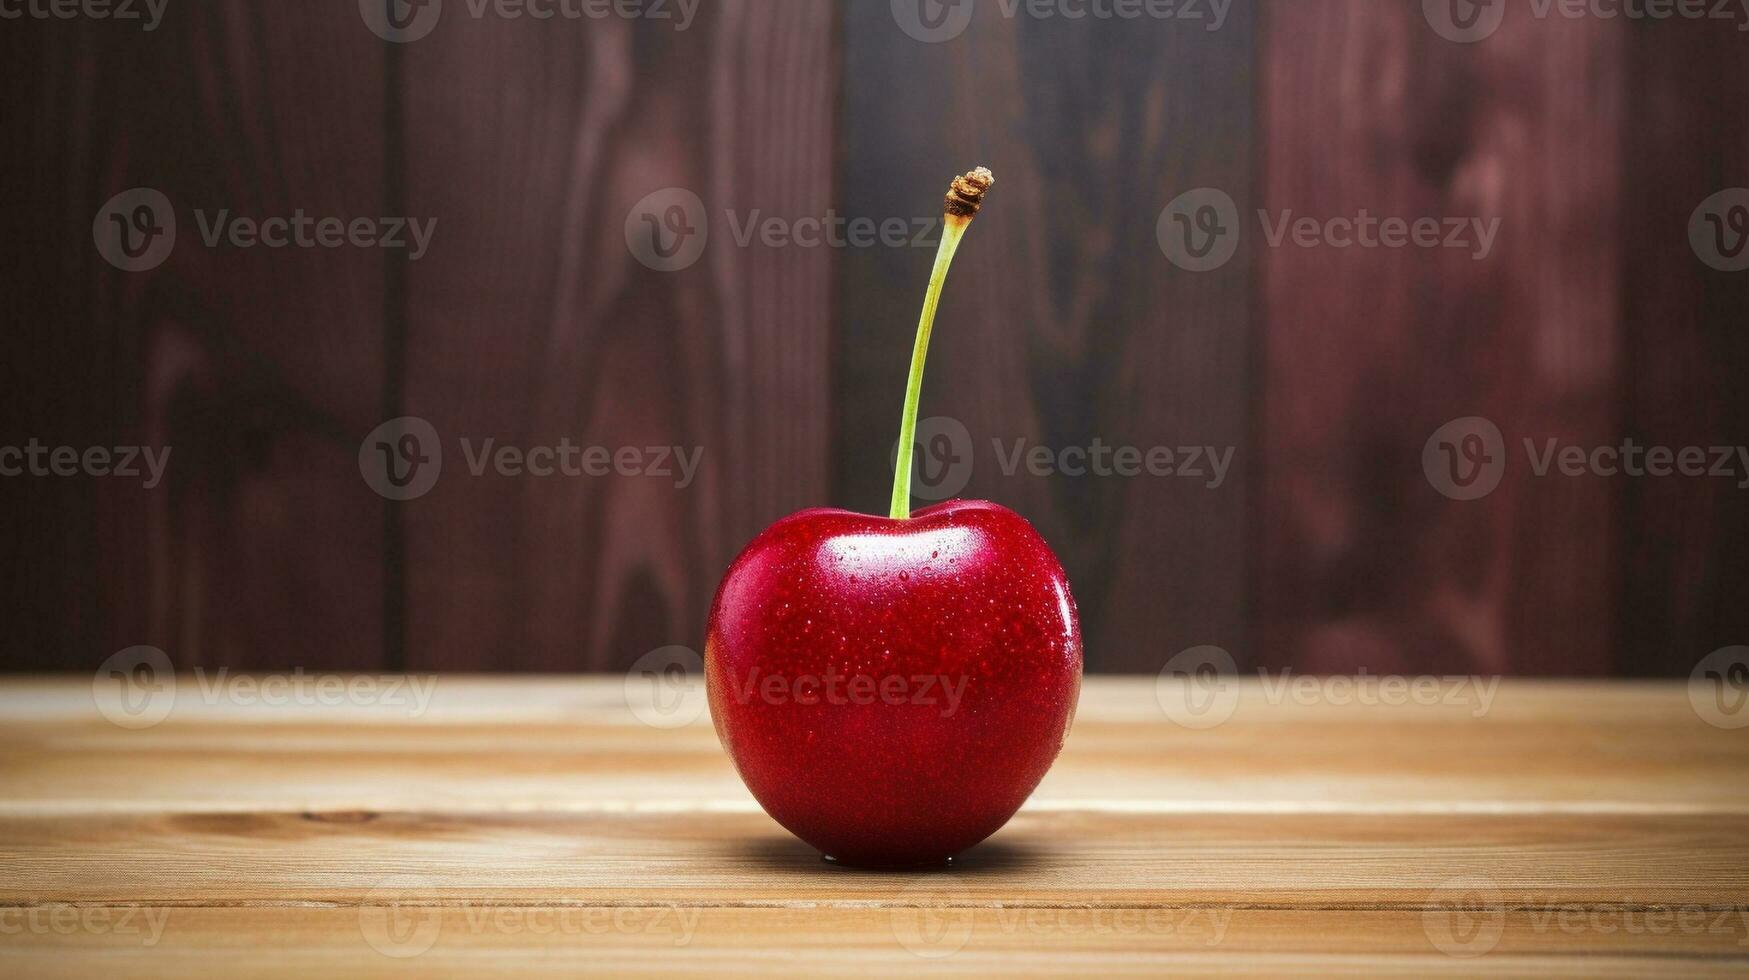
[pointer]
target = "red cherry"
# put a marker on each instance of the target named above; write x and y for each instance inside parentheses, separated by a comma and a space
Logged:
(892, 690)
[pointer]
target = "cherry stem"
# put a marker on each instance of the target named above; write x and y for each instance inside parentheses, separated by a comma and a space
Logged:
(951, 232)
(963, 201)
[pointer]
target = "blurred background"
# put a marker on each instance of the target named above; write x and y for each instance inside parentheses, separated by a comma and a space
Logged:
(689, 240)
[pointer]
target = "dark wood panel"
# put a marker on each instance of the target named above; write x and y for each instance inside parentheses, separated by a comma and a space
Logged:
(530, 321)
(1685, 585)
(1063, 322)
(45, 242)
(1369, 351)
(255, 366)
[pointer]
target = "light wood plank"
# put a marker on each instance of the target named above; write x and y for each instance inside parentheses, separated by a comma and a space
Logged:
(737, 942)
(1052, 858)
(573, 745)
(1565, 828)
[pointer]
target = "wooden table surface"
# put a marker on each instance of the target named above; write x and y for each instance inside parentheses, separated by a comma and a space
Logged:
(481, 824)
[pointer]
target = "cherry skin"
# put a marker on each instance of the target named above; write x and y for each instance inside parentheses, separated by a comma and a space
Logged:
(892, 691)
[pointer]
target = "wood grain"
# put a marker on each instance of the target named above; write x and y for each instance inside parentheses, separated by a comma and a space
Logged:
(1362, 556)
(256, 367)
(563, 941)
(569, 337)
(1687, 351)
(1569, 828)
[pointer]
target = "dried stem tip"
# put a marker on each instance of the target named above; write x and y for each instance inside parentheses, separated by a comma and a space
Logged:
(966, 195)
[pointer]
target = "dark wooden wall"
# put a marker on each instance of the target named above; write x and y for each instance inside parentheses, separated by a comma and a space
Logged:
(1593, 140)
(529, 320)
